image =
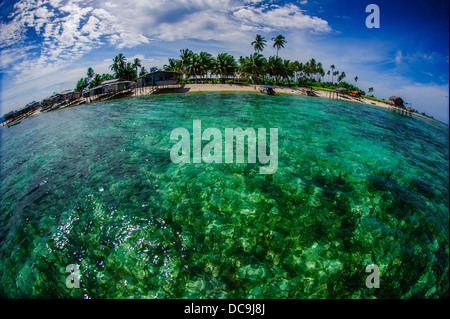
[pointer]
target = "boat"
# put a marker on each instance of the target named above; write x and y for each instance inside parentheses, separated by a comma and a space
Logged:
(12, 124)
(267, 90)
(310, 93)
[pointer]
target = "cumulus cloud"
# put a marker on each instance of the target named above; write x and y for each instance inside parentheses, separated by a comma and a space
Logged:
(42, 37)
(65, 30)
(277, 17)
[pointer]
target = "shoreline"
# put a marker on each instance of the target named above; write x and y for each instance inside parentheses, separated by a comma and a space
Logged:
(278, 89)
(247, 88)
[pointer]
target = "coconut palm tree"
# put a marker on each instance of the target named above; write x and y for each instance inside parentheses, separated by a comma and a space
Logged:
(90, 73)
(320, 71)
(259, 43)
(118, 66)
(335, 73)
(275, 67)
(255, 65)
(278, 42)
(174, 65)
(185, 56)
(95, 81)
(137, 64)
(193, 66)
(332, 67)
(298, 69)
(81, 85)
(356, 80)
(143, 71)
(342, 76)
(288, 69)
(225, 65)
(206, 62)
(115, 65)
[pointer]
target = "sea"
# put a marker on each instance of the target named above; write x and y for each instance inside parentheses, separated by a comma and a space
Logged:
(92, 206)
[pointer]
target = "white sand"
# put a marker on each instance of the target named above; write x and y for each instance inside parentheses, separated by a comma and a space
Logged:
(278, 89)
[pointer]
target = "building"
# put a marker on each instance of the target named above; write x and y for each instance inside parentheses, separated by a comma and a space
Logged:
(29, 108)
(396, 101)
(116, 85)
(159, 78)
(111, 86)
(341, 90)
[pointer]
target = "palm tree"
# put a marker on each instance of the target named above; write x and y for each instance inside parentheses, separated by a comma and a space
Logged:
(185, 56)
(174, 65)
(288, 69)
(225, 65)
(106, 77)
(278, 42)
(313, 66)
(334, 74)
(95, 81)
(255, 65)
(121, 59)
(307, 70)
(320, 70)
(356, 80)
(259, 43)
(332, 67)
(193, 66)
(143, 71)
(137, 64)
(90, 73)
(81, 85)
(118, 66)
(328, 73)
(342, 76)
(115, 65)
(297, 67)
(206, 62)
(275, 67)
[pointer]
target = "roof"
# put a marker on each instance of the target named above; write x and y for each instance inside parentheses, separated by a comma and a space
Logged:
(114, 81)
(341, 90)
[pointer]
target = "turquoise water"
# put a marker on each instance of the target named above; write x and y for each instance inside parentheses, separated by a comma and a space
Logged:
(94, 186)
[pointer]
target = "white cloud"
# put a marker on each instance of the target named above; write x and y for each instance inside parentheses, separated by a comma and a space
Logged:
(276, 17)
(68, 29)
(64, 31)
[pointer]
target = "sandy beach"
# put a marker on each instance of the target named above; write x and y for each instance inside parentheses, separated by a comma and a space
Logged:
(193, 88)
(278, 90)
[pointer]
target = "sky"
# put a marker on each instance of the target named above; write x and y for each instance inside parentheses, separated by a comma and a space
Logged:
(46, 46)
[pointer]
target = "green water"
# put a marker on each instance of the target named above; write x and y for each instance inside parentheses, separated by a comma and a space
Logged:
(94, 186)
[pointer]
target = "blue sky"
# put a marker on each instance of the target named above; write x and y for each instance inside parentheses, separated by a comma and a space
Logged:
(47, 45)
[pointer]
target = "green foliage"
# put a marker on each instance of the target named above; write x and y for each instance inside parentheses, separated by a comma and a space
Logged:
(225, 65)
(124, 70)
(255, 68)
(81, 85)
(259, 43)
